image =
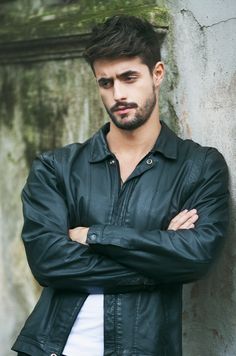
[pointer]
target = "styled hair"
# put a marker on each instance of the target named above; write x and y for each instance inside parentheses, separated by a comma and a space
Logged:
(124, 36)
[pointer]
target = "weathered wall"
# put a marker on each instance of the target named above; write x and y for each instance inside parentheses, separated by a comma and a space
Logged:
(204, 99)
(53, 101)
(47, 106)
(48, 99)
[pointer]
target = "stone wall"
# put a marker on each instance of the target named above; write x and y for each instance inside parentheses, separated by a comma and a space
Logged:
(204, 100)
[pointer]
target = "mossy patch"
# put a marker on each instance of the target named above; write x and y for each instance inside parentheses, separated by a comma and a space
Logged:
(42, 114)
(56, 21)
(7, 91)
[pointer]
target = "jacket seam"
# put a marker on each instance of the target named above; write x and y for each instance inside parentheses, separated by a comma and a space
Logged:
(30, 340)
(195, 163)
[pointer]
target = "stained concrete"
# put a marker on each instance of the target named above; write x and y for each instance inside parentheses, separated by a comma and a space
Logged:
(46, 105)
(204, 99)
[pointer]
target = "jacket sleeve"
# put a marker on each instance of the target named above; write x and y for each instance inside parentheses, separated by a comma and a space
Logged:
(54, 259)
(175, 256)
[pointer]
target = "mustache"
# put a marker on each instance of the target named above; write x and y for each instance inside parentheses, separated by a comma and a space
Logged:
(123, 105)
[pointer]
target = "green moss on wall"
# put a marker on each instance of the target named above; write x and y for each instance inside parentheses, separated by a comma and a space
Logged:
(77, 19)
(42, 112)
(8, 95)
(167, 96)
(49, 104)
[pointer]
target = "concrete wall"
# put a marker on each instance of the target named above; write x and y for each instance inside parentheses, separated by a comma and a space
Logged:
(46, 105)
(51, 101)
(48, 98)
(204, 99)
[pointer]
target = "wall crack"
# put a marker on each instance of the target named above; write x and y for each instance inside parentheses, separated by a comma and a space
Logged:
(203, 27)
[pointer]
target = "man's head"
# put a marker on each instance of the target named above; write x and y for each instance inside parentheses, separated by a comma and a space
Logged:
(124, 36)
(124, 54)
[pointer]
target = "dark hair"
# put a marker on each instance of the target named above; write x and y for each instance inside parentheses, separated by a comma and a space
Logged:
(124, 36)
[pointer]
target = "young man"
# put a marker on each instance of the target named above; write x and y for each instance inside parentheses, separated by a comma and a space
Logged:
(114, 227)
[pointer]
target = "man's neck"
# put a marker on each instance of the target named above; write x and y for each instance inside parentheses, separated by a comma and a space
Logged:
(136, 143)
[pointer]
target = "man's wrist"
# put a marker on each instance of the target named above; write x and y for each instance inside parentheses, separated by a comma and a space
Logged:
(95, 234)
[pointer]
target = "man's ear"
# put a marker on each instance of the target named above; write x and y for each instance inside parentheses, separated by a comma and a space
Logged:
(158, 73)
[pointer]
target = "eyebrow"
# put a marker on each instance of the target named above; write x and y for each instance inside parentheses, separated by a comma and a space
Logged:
(119, 76)
(127, 73)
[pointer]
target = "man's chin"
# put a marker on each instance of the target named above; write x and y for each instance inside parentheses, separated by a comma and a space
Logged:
(127, 123)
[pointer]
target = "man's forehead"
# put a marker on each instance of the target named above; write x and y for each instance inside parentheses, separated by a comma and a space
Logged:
(116, 67)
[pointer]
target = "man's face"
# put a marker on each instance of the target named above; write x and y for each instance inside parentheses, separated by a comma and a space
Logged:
(127, 90)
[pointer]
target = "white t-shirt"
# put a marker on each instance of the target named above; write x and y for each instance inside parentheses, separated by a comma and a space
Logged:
(87, 335)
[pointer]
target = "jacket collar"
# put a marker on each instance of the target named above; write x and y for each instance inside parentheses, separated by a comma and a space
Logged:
(100, 150)
(166, 144)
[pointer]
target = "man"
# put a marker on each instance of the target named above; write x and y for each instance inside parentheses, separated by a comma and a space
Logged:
(114, 227)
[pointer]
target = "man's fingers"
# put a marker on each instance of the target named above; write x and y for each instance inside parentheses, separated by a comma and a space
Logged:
(184, 220)
(184, 216)
(179, 216)
(189, 224)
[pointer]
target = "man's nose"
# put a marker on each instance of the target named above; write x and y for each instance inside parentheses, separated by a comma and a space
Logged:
(119, 92)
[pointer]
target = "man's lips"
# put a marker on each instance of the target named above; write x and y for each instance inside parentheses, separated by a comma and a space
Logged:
(123, 109)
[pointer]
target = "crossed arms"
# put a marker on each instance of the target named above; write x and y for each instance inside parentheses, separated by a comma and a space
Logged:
(184, 220)
(121, 258)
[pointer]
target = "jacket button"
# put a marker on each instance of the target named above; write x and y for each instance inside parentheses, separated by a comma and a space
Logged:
(53, 355)
(112, 161)
(93, 237)
(149, 161)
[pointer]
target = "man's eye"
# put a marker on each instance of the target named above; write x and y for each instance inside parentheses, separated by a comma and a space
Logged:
(106, 84)
(130, 79)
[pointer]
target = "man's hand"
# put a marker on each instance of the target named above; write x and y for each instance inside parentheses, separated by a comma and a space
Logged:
(79, 234)
(184, 220)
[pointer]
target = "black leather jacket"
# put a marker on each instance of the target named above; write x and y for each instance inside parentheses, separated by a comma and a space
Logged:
(131, 257)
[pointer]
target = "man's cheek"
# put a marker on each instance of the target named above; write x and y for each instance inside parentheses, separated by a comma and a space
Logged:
(104, 100)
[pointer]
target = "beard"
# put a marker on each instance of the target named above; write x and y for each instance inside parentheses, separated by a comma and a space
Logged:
(140, 117)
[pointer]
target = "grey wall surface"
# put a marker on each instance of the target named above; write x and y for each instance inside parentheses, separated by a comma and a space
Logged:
(49, 103)
(204, 99)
